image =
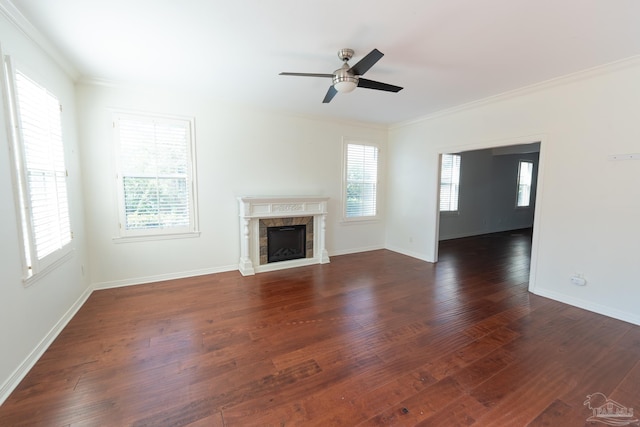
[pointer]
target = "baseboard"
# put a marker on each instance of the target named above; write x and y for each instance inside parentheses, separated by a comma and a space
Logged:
(588, 305)
(412, 254)
(23, 369)
(355, 250)
(162, 277)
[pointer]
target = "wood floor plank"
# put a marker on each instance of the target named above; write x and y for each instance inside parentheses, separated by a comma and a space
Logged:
(528, 399)
(419, 406)
(464, 411)
(555, 414)
(373, 338)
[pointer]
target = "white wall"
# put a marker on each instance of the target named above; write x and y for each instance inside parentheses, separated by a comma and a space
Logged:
(30, 317)
(587, 206)
(240, 152)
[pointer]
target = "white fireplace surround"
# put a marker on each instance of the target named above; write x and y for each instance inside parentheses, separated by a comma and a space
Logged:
(254, 208)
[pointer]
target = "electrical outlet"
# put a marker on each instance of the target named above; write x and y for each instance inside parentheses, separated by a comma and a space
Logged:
(578, 280)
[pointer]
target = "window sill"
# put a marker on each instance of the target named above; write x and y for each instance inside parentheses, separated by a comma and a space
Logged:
(363, 221)
(155, 237)
(28, 281)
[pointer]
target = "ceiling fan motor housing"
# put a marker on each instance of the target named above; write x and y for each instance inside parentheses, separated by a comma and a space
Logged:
(343, 80)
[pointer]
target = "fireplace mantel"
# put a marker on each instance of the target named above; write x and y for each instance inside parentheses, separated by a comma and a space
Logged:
(255, 208)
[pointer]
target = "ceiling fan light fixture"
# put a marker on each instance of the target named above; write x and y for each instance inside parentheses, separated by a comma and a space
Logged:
(343, 80)
(346, 85)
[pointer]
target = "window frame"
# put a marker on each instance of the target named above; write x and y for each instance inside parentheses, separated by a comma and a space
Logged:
(345, 182)
(530, 185)
(156, 233)
(440, 184)
(33, 268)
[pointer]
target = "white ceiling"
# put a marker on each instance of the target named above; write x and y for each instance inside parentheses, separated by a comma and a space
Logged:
(443, 52)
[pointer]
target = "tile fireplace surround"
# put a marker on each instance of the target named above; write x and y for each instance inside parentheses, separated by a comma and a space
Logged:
(293, 209)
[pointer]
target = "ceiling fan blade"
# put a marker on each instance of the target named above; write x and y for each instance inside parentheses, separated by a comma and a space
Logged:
(367, 62)
(330, 94)
(370, 84)
(307, 74)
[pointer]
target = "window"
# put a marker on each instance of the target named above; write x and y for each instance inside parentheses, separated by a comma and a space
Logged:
(525, 174)
(40, 172)
(361, 181)
(449, 182)
(155, 175)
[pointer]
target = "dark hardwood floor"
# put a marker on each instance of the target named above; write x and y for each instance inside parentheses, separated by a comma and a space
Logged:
(371, 339)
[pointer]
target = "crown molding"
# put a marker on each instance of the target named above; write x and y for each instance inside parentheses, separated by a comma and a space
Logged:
(100, 82)
(525, 90)
(15, 17)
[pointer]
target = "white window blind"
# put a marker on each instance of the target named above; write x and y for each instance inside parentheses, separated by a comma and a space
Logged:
(361, 180)
(42, 172)
(449, 182)
(155, 174)
(525, 174)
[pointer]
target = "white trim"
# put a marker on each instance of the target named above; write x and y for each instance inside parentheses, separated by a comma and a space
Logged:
(588, 305)
(15, 17)
(412, 254)
(357, 250)
(15, 150)
(525, 90)
(114, 111)
(537, 214)
(361, 220)
(61, 256)
(8, 89)
(318, 118)
(495, 143)
(159, 236)
(23, 369)
(162, 277)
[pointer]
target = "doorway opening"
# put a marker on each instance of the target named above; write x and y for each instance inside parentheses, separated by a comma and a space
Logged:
(482, 192)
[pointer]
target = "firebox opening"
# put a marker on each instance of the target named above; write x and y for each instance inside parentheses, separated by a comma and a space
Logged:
(286, 243)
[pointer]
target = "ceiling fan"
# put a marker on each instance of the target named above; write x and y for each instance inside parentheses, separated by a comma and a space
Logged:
(347, 78)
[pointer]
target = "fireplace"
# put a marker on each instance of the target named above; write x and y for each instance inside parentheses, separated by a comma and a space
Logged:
(303, 217)
(303, 239)
(286, 243)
